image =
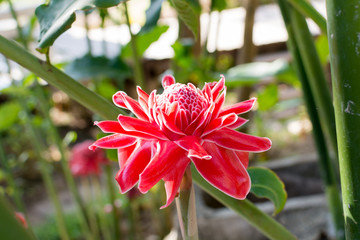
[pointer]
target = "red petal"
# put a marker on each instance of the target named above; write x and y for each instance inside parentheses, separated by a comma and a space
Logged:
(173, 180)
(238, 108)
(231, 139)
(193, 146)
(113, 141)
(110, 126)
(143, 99)
(239, 122)
(168, 80)
(224, 171)
(168, 127)
(220, 122)
(167, 156)
(124, 154)
(243, 157)
(128, 176)
(218, 105)
(218, 87)
(133, 125)
(121, 99)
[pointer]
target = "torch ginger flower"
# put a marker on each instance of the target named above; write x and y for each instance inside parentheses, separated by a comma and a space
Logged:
(182, 125)
(84, 162)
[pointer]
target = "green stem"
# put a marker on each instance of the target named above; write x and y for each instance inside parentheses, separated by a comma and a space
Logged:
(186, 210)
(316, 76)
(59, 79)
(308, 10)
(46, 175)
(18, 26)
(64, 163)
(326, 166)
(344, 41)
(99, 205)
(112, 196)
(11, 228)
(90, 207)
(139, 74)
(260, 220)
(87, 29)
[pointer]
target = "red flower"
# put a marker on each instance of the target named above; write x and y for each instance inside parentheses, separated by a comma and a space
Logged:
(84, 162)
(183, 124)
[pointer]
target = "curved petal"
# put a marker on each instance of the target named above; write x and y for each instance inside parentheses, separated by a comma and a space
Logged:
(167, 156)
(113, 141)
(193, 146)
(243, 157)
(130, 125)
(143, 99)
(220, 85)
(109, 126)
(168, 127)
(239, 122)
(173, 181)
(128, 176)
(124, 154)
(220, 122)
(234, 140)
(121, 99)
(239, 108)
(224, 171)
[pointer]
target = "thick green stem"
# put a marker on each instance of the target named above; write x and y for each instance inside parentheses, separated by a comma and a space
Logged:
(11, 228)
(326, 166)
(139, 74)
(308, 10)
(260, 220)
(186, 210)
(344, 41)
(59, 79)
(316, 76)
(111, 191)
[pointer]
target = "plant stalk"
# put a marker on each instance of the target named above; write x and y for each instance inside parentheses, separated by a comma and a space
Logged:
(59, 79)
(344, 41)
(139, 74)
(258, 219)
(186, 210)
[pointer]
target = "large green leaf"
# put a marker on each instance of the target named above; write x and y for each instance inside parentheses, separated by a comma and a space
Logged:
(152, 15)
(251, 73)
(265, 183)
(144, 40)
(90, 67)
(188, 15)
(57, 16)
(9, 114)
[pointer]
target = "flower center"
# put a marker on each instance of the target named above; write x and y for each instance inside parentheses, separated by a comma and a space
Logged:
(189, 100)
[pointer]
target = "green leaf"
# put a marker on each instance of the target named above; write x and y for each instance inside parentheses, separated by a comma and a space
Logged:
(152, 15)
(252, 73)
(322, 47)
(57, 17)
(268, 97)
(265, 183)
(144, 40)
(218, 5)
(90, 67)
(9, 114)
(188, 15)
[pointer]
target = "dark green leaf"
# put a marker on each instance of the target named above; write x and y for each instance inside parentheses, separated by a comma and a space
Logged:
(252, 73)
(9, 114)
(57, 16)
(152, 15)
(268, 97)
(265, 183)
(90, 67)
(144, 40)
(188, 15)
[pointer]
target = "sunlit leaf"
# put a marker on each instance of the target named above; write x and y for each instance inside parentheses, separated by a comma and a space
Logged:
(188, 15)
(268, 97)
(90, 67)
(251, 73)
(322, 47)
(152, 15)
(265, 183)
(218, 5)
(57, 16)
(144, 40)
(9, 114)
